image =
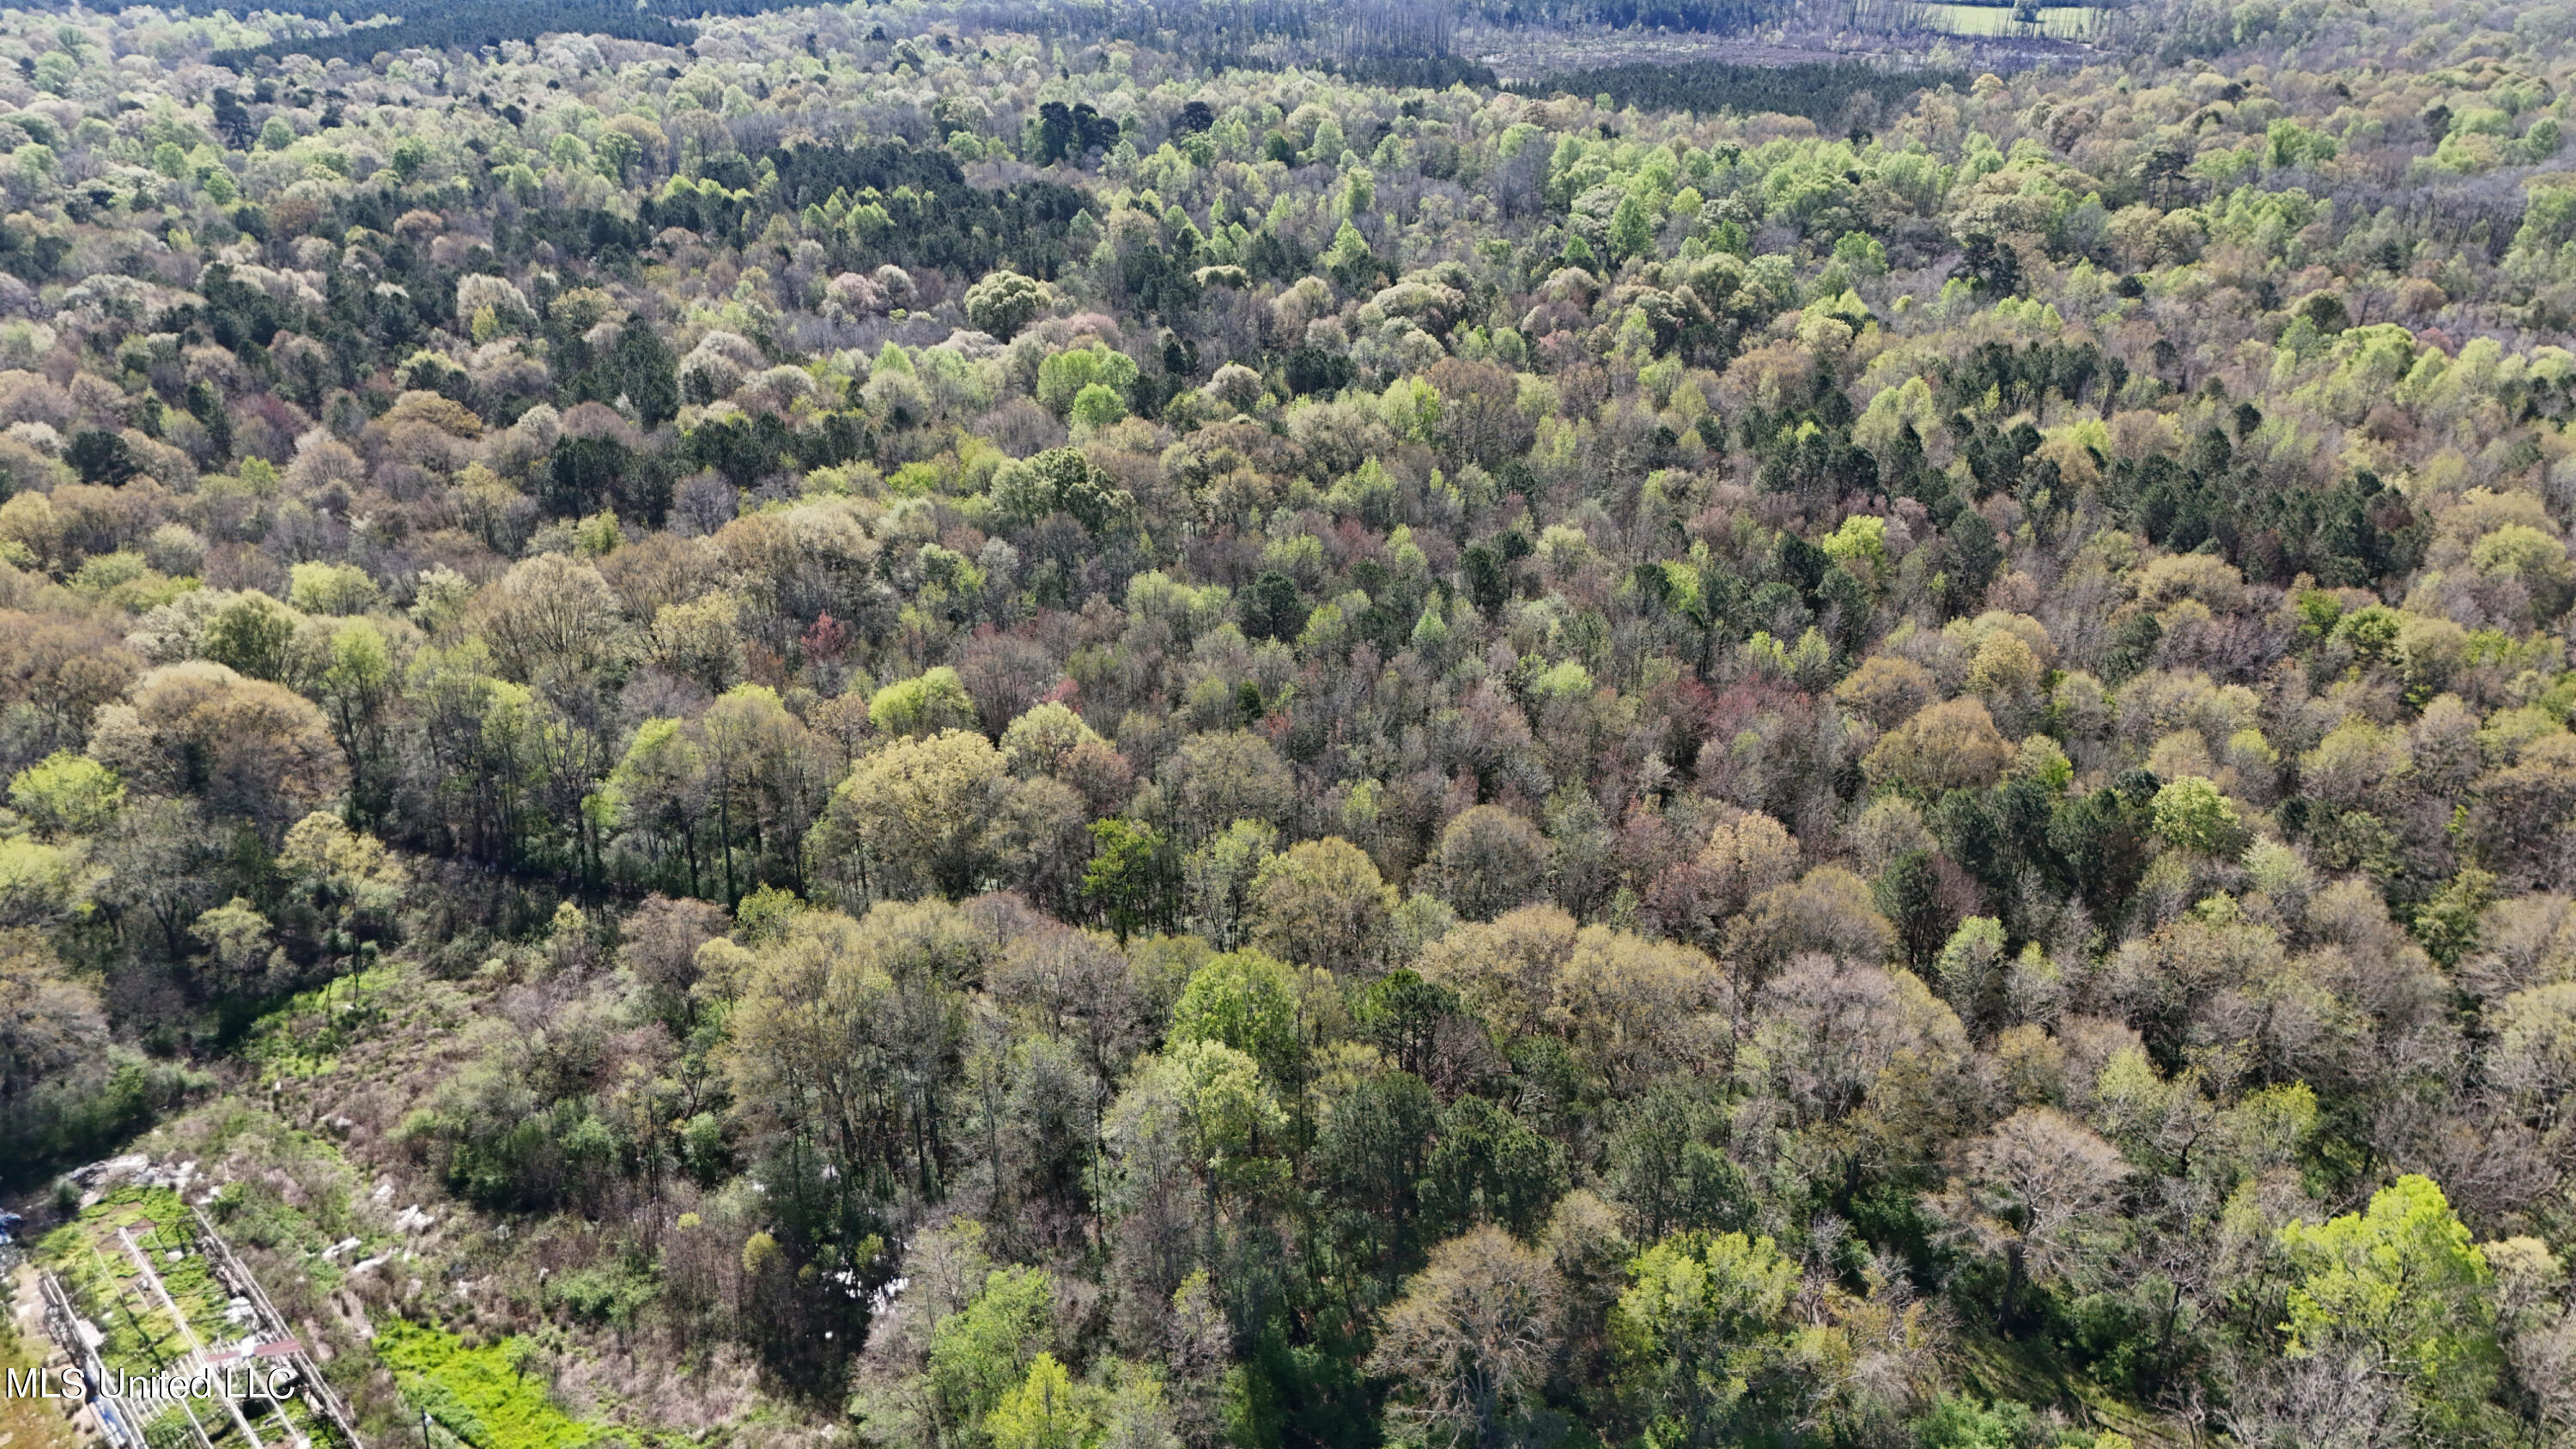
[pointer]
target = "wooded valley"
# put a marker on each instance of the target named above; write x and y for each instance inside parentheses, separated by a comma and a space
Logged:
(1025, 725)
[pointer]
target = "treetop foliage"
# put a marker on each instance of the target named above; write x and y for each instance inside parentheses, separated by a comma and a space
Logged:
(963, 726)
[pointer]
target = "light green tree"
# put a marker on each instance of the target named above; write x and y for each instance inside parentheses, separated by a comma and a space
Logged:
(1249, 1002)
(1206, 1107)
(615, 152)
(346, 885)
(45, 885)
(1097, 406)
(239, 952)
(1128, 873)
(2400, 1287)
(67, 794)
(977, 1355)
(1047, 1411)
(1322, 903)
(924, 705)
(1063, 377)
(2191, 813)
(1702, 1337)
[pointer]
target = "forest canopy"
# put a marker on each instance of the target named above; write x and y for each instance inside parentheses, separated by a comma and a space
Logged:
(1057, 726)
(1820, 92)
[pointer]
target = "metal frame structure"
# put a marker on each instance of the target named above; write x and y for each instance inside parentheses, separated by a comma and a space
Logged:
(122, 1421)
(237, 1275)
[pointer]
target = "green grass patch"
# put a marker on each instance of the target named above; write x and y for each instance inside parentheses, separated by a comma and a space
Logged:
(2025, 1371)
(478, 1394)
(304, 1036)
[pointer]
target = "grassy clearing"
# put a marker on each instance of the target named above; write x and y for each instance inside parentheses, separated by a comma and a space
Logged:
(2056, 22)
(304, 1037)
(1997, 1369)
(479, 1394)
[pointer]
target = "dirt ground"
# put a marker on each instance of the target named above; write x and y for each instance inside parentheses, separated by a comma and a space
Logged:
(28, 1423)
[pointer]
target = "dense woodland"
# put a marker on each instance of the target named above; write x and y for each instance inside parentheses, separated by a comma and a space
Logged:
(966, 733)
